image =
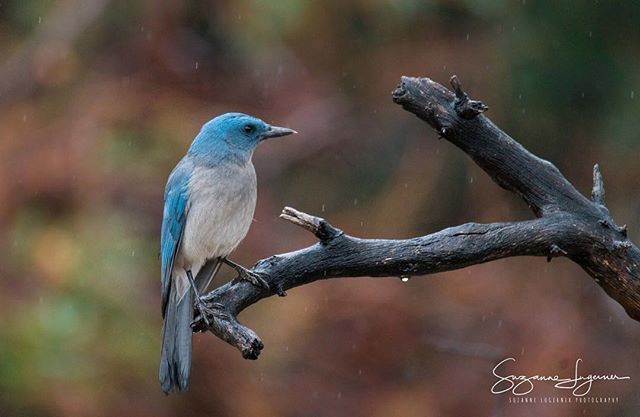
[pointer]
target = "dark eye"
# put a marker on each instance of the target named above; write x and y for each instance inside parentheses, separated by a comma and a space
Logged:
(248, 128)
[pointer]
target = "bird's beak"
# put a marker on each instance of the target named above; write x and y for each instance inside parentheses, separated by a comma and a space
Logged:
(275, 131)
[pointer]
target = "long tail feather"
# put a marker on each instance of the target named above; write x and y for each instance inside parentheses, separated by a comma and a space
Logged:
(175, 361)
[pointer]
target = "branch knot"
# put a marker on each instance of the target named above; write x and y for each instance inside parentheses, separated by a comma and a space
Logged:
(466, 108)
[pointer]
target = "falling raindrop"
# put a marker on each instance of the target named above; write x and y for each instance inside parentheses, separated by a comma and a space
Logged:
(322, 209)
(197, 64)
(633, 94)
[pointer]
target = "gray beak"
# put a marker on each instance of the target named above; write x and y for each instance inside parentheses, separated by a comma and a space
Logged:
(275, 132)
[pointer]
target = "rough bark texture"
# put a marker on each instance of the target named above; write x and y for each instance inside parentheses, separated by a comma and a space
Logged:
(566, 224)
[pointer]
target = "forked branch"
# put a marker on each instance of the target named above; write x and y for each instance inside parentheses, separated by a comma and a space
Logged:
(566, 224)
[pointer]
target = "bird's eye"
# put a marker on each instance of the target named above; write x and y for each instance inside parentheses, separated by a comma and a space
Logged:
(248, 128)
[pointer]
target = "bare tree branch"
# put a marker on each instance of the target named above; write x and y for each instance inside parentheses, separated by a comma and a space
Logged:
(567, 224)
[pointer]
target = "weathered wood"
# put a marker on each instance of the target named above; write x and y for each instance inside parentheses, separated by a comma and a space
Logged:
(567, 224)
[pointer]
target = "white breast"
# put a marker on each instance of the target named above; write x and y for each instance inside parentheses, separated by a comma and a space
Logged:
(221, 206)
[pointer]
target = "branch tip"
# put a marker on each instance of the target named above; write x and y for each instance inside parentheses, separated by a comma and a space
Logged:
(316, 225)
(457, 88)
(597, 193)
(467, 109)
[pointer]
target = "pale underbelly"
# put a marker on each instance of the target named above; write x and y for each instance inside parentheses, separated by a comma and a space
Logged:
(215, 228)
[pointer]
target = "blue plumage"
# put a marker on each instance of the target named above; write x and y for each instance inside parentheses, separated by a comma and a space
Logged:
(173, 221)
(209, 203)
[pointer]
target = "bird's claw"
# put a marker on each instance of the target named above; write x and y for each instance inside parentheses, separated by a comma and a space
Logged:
(253, 277)
(206, 314)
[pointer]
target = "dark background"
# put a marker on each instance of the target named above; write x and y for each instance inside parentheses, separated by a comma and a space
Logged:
(100, 98)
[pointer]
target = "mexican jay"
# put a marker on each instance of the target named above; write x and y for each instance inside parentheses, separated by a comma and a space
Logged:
(209, 202)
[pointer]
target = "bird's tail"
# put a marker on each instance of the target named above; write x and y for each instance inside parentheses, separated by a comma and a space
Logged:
(175, 361)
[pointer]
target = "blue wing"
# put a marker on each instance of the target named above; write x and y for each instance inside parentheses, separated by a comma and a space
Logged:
(173, 220)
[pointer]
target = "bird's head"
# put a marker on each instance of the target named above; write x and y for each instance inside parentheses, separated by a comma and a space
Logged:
(235, 133)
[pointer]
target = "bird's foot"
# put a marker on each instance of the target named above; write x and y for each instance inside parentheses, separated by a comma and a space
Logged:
(245, 274)
(253, 277)
(206, 314)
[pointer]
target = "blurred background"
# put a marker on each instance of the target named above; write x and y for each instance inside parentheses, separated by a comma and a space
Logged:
(100, 98)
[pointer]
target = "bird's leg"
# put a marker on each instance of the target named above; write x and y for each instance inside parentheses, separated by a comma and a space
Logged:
(247, 275)
(199, 304)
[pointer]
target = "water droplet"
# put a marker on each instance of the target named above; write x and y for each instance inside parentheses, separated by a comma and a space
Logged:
(404, 278)
(467, 36)
(39, 19)
(322, 209)
(633, 94)
(197, 64)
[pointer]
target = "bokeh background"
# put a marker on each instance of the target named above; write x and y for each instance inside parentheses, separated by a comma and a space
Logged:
(100, 98)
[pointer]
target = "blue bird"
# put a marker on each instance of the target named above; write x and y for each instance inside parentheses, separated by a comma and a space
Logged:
(209, 202)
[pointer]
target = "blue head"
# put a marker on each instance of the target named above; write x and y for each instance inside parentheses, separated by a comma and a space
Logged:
(233, 134)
